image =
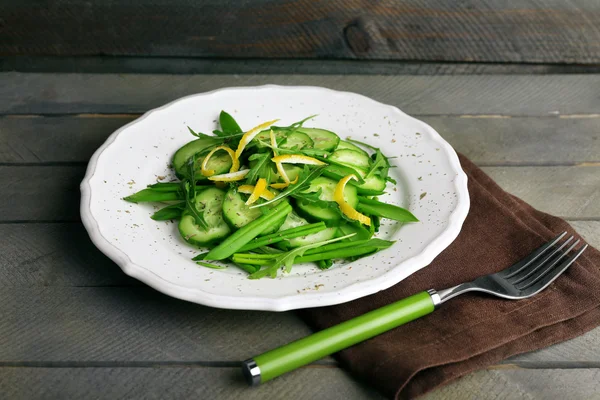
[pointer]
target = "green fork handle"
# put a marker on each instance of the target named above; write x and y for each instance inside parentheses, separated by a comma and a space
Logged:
(286, 358)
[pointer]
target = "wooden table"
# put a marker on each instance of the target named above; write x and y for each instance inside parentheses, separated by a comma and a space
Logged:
(73, 325)
(515, 87)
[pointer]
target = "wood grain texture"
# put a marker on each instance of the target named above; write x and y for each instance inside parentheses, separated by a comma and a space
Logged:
(132, 324)
(571, 192)
(175, 383)
(550, 384)
(306, 383)
(490, 31)
(190, 65)
(486, 141)
(535, 95)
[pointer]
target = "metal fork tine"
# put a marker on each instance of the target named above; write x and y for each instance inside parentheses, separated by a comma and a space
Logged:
(518, 267)
(527, 272)
(550, 269)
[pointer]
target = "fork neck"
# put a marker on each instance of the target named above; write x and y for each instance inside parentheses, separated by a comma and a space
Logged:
(441, 296)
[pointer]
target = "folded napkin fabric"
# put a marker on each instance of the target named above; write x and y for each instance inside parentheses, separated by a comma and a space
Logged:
(472, 331)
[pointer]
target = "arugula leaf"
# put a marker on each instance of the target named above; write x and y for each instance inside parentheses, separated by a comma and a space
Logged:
(199, 134)
(258, 170)
(228, 124)
(190, 195)
(304, 179)
(287, 259)
(380, 161)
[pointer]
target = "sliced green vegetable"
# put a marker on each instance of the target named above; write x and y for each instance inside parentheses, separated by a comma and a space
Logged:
(322, 139)
(244, 235)
(208, 204)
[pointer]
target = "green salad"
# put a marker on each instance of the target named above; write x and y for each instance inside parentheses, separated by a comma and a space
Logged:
(275, 196)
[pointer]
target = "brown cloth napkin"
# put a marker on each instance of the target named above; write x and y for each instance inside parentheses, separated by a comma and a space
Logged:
(472, 331)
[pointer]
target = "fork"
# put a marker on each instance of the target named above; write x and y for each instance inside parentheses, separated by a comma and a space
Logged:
(524, 279)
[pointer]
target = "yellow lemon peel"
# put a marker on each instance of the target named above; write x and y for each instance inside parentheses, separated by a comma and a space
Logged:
(209, 172)
(347, 209)
(230, 177)
(251, 134)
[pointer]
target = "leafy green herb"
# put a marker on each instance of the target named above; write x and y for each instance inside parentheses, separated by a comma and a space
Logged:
(304, 179)
(199, 134)
(173, 211)
(287, 259)
(259, 169)
(190, 196)
(229, 126)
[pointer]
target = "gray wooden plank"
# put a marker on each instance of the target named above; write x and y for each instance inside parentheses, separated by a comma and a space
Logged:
(486, 141)
(128, 325)
(550, 31)
(175, 383)
(131, 324)
(111, 93)
(571, 192)
(61, 254)
(306, 383)
(553, 384)
(56, 254)
(188, 65)
(565, 191)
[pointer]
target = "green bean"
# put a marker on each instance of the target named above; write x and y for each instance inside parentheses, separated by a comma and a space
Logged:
(374, 207)
(245, 234)
(248, 268)
(146, 195)
(283, 235)
(340, 253)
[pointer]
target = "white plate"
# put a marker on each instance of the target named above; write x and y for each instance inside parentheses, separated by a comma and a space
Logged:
(431, 184)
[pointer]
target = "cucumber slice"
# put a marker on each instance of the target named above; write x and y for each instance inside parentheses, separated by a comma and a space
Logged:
(351, 158)
(344, 144)
(298, 140)
(323, 139)
(181, 156)
(372, 186)
(327, 186)
(220, 162)
(209, 202)
(265, 136)
(293, 220)
(237, 214)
